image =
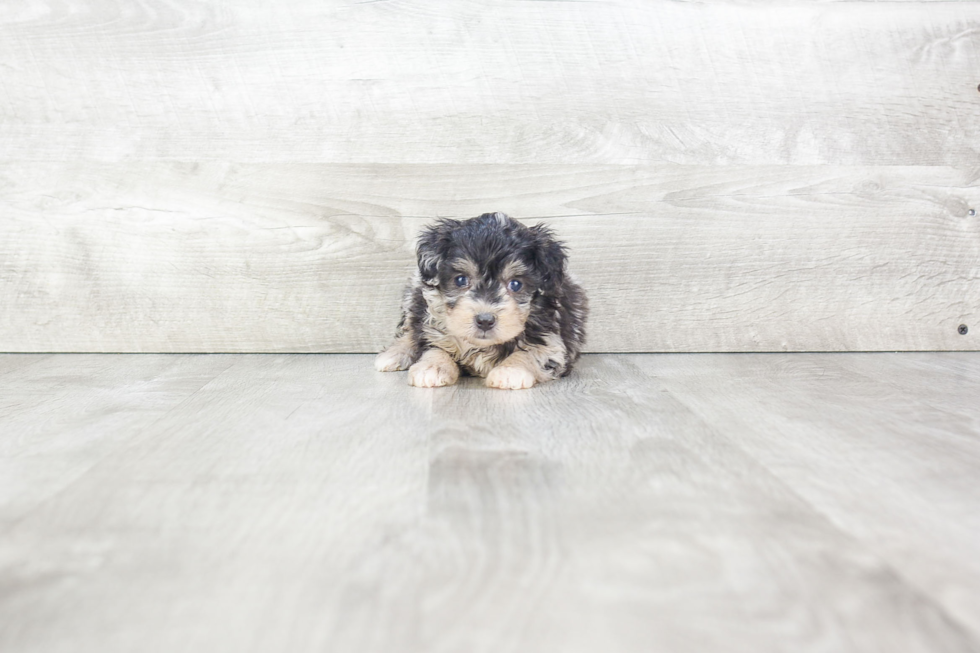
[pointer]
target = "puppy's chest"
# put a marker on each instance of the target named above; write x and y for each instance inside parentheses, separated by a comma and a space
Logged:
(476, 361)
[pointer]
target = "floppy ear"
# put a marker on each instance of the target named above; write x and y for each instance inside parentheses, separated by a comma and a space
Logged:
(549, 258)
(432, 246)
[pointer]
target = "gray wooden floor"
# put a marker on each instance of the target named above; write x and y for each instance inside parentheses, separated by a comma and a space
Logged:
(737, 502)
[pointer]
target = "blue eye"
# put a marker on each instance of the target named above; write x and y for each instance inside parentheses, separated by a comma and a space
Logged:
(515, 285)
(461, 281)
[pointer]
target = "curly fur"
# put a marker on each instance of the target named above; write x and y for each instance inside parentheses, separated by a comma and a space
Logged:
(515, 281)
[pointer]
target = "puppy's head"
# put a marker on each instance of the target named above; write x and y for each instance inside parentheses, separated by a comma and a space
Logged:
(484, 274)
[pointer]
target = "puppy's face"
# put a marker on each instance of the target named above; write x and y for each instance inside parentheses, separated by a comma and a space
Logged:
(483, 275)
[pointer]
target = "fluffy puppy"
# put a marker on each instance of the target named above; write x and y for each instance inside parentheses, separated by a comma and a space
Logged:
(491, 297)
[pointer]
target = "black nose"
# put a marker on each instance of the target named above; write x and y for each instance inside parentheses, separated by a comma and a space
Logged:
(485, 321)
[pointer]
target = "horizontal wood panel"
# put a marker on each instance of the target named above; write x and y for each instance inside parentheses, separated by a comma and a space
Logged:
(312, 257)
(628, 82)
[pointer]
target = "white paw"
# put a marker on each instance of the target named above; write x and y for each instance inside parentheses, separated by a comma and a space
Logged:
(425, 374)
(510, 377)
(392, 359)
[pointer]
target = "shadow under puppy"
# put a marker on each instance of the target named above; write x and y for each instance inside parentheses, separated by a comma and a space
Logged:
(492, 297)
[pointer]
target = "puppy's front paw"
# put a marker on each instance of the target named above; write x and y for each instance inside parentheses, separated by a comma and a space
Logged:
(428, 374)
(393, 359)
(510, 377)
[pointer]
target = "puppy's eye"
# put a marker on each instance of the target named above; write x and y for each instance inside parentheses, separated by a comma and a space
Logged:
(461, 281)
(515, 285)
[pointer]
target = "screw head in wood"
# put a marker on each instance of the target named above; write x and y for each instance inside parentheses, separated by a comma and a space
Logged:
(963, 329)
(971, 212)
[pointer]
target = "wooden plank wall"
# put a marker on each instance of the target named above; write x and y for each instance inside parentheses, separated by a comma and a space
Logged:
(178, 175)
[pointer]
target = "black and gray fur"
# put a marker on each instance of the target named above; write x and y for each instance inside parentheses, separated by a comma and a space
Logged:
(515, 280)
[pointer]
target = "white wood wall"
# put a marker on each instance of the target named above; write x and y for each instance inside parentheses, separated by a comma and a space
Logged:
(180, 175)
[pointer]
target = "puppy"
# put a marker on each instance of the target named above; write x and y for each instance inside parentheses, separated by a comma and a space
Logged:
(491, 297)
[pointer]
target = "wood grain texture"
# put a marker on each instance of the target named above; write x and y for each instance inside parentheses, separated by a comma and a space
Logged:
(398, 81)
(841, 421)
(85, 407)
(227, 257)
(809, 502)
(732, 175)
